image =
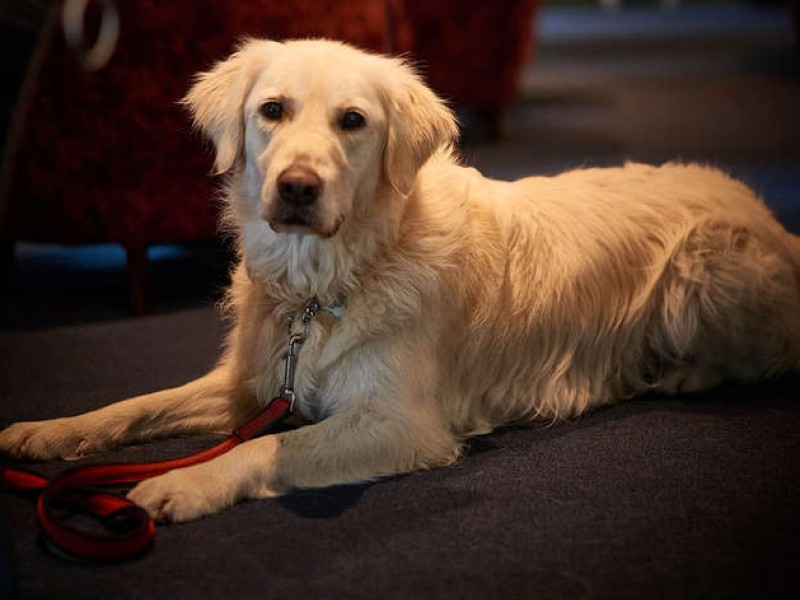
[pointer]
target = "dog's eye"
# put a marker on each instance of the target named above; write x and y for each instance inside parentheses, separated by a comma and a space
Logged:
(352, 120)
(272, 111)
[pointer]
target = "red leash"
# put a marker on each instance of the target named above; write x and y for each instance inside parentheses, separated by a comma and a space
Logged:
(131, 530)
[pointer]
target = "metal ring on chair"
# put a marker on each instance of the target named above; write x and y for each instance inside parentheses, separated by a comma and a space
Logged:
(72, 20)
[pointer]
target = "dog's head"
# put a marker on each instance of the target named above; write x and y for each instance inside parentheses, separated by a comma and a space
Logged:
(316, 127)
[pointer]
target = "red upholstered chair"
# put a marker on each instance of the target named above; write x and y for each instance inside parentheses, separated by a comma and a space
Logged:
(108, 156)
(473, 51)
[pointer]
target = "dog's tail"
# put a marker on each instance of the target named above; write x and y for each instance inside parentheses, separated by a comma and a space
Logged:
(794, 248)
(795, 239)
(794, 242)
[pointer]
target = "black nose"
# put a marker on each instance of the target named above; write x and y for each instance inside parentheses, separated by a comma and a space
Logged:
(299, 185)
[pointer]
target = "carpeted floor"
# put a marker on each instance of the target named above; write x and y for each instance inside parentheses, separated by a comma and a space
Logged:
(683, 497)
(689, 497)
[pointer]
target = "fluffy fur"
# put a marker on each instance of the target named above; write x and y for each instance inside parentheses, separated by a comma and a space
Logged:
(470, 303)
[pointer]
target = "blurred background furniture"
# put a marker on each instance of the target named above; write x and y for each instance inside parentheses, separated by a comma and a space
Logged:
(108, 156)
(472, 53)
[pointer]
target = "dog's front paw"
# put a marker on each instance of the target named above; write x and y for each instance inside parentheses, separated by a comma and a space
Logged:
(182, 495)
(45, 440)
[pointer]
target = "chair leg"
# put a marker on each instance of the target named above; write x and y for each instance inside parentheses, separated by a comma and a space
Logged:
(492, 118)
(138, 278)
(7, 248)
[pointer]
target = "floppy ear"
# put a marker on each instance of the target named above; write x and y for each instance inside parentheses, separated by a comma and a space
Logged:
(216, 100)
(419, 124)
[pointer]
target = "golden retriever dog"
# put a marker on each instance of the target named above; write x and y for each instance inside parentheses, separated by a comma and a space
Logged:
(449, 303)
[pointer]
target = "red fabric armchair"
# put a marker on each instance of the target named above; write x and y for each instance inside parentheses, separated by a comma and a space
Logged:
(109, 156)
(473, 51)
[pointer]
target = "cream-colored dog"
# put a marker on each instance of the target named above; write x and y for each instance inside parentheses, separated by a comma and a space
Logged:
(461, 303)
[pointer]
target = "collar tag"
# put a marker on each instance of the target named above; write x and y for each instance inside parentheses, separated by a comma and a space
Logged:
(336, 310)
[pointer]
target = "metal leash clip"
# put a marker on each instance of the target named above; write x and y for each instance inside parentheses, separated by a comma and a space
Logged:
(295, 341)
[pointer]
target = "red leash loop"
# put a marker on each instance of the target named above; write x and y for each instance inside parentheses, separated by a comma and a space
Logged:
(130, 527)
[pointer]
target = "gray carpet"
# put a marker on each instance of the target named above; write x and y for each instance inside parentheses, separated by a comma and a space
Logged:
(680, 497)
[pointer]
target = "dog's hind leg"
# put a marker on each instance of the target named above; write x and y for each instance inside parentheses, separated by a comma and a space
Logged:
(729, 308)
(210, 403)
